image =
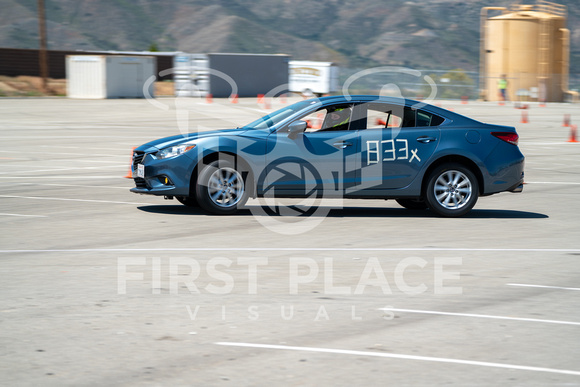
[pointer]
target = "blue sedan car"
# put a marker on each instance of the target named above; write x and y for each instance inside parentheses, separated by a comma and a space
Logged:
(363, 147)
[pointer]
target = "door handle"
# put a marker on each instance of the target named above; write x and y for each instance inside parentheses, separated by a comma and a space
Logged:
(342, 144)
(426, 139)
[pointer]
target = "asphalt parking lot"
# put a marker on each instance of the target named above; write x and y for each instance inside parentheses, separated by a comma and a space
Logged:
(104, 287)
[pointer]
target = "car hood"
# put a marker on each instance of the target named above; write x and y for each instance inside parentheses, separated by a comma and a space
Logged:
(161, 143)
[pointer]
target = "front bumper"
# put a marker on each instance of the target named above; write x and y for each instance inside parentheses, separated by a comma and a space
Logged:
(167, 177)
(517, 189)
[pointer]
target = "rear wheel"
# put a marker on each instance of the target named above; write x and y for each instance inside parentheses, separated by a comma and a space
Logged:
(413, 204)
(452, 190)
(221, 188)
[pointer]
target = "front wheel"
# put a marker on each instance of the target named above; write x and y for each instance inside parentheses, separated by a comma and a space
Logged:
(452, 190)
(221, 189)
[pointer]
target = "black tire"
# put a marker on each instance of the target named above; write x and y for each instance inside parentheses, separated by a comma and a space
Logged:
(413, 204)
(189, 201)
(452, 190)
(221, 188)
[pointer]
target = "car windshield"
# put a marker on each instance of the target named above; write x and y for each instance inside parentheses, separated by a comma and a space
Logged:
(272, 119)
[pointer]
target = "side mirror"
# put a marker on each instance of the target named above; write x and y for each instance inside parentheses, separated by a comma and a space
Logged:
(295, 128)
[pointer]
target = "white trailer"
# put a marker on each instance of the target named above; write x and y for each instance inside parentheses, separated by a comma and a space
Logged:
(309, 77)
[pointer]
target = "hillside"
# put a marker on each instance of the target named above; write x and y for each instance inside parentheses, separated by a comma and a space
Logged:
(426, 34)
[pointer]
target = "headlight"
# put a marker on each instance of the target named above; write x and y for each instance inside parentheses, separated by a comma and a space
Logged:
(173, 151)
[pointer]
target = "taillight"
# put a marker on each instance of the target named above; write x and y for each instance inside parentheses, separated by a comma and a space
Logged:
(510, 137)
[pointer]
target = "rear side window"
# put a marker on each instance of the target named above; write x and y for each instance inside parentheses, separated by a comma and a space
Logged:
(428, 119)
(382, 115)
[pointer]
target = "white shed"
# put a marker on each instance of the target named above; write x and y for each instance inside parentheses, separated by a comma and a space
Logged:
(104, 76)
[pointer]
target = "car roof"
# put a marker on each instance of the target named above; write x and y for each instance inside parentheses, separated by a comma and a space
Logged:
(458, 119)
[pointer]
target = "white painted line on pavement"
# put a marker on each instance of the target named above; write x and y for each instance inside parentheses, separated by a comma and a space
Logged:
(73, 185)
(72, 200)
(34, 164)
(76, 177)
(552, 182)
(547, 143)
(67, 137)
(66, 154)
(482, 316)
(543, 286)
(92, 161)
(118, 166)
(401, 356)
(86, 148)
(298, 249)
(27, 216)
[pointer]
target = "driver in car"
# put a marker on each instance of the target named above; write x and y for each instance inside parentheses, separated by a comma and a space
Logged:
(337, 119)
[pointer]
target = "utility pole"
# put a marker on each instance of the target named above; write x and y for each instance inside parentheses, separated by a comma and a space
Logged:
(42, 57)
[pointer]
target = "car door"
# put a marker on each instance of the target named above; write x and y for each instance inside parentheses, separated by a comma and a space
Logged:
(396, 147)
(322, 159)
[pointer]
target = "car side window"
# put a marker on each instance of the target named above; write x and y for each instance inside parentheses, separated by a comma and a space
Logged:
(330, 118)
(377, 116)
(424, 118)
(436, 120)
(412, 118)
(378, 119)
(380, 116)
(314, 120)
(428, 119)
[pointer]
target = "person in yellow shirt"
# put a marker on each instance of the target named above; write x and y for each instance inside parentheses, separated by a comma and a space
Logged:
(502, 84)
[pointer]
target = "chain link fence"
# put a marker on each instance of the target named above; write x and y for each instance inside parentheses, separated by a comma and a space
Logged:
(417, 84)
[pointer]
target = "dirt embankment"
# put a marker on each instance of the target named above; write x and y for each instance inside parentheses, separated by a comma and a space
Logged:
(27, 86)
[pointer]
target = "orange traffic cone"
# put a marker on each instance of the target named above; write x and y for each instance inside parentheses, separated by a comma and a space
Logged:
(209, 98)
(572, 134)
(464, 100)
(519, 105)
(234, 98)
(130, 173)
(524, 117)
(566, 120)
(260, 98)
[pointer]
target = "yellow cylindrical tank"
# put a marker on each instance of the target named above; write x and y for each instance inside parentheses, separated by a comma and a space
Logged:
(526, 47)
